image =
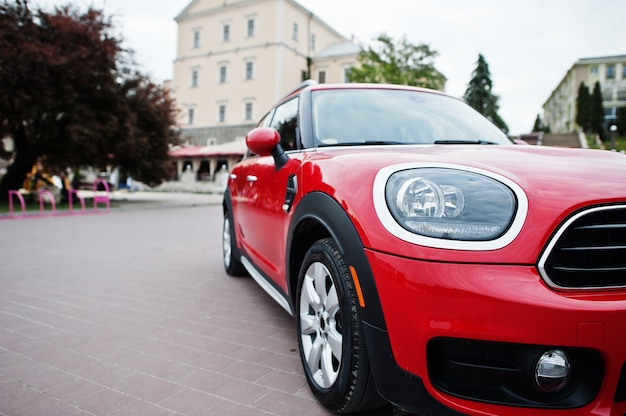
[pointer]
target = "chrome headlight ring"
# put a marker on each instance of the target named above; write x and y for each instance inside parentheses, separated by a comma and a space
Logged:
(449, 206)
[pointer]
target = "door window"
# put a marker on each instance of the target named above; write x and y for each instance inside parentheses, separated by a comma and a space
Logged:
(285, 121)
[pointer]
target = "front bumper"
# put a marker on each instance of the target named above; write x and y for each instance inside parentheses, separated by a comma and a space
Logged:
(434, 312)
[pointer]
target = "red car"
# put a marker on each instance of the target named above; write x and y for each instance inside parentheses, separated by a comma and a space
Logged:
(430, 261)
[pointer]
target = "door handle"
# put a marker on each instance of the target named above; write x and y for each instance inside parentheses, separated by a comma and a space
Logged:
(251, 178)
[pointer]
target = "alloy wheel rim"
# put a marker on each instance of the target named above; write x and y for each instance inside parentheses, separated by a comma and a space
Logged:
(320, 325)
(226, 242)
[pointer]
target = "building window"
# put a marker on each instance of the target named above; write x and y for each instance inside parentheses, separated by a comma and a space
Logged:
(190, 116)
(312, 46)
(248, 113)
(222, 74)
(250, 27)
(226, 32)
(295, 31)
(321, 77)
(594, 69)
(610, 71)
(196, 39)
(249, 70)
(222, 113)
(194, 78)
(624, 71)
(346, 74)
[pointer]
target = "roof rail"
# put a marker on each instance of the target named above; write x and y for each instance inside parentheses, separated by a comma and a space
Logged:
(302, 86)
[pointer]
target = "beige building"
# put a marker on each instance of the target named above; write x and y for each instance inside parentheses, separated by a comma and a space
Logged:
(236, 58)
(559, 111)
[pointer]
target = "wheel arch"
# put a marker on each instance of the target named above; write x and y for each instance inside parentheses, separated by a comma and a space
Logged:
(317, 216)
(227, 202)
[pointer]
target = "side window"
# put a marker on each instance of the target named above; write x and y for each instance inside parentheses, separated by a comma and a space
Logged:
(285, 121)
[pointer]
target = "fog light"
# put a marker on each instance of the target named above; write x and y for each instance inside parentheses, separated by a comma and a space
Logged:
(552, 371)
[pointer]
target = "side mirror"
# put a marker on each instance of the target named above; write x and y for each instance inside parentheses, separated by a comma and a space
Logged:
(262, 140)
(265, 141)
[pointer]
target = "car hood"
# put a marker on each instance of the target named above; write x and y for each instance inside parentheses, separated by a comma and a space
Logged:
(557, 182)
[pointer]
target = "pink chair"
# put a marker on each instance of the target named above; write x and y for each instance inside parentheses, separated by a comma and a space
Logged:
(20, 198)
(70, 200)
(101, 196)
(43, 193)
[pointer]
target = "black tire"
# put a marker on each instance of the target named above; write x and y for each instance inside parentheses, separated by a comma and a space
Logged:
(330, 336)
(232, 265)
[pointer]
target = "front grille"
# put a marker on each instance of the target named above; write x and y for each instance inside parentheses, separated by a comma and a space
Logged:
(588, 251)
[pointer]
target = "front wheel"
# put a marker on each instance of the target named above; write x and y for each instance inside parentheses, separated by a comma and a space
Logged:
(330, 334)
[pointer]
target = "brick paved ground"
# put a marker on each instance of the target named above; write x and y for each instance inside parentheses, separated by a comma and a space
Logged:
(130, 313)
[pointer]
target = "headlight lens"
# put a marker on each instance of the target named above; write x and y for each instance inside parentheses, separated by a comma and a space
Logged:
(450, 204)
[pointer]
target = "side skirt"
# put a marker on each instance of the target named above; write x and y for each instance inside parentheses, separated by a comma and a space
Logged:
(265, 285)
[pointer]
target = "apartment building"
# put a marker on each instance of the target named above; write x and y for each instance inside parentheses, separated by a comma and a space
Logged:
(236, 58)
(559, 111)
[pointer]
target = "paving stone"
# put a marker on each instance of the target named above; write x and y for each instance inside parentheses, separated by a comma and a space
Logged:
(131, 313)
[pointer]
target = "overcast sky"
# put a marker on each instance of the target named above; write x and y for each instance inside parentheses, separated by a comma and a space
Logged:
(529, 45)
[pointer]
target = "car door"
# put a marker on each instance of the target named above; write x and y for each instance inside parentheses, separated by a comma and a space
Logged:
(265, 220)
(242, 193)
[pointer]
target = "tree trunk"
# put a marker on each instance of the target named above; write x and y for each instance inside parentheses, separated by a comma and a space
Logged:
(22, 164)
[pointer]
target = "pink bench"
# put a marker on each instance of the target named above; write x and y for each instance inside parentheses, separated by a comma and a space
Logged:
(101, 195)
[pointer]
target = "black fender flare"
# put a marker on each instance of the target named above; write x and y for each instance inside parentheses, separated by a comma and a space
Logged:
(323, 209)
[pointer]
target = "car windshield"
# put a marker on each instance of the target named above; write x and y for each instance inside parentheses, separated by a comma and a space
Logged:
(344, 117)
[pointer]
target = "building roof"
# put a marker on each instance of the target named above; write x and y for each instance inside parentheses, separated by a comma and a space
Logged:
(234, 148)
(213, 6)
(339, 49)
(602, 59)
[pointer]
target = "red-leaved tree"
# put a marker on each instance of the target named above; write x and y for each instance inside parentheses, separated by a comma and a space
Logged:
(71, 94)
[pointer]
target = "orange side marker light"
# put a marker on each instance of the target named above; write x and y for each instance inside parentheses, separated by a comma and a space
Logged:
(357, 287)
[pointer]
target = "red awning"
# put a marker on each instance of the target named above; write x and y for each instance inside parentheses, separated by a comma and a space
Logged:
(234, 148)
(190, 151)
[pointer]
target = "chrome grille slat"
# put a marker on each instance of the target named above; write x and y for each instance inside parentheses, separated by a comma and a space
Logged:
(588, 251)
(603, 226)
(597, 269)
(603, 248)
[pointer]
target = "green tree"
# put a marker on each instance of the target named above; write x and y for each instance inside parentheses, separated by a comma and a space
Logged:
(538, 126)
(398, 62)
(620, 121)
(73, 95)
(479, 94)
(583, 107)
(597, 111)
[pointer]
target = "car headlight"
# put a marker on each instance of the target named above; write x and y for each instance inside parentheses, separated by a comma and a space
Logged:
(450, 204)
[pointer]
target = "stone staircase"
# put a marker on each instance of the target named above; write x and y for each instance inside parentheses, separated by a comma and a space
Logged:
(563, 140)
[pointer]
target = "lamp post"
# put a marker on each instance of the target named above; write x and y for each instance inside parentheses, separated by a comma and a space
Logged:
(613, 129)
